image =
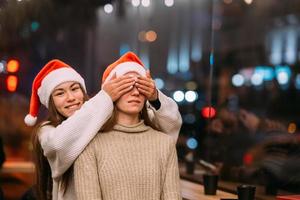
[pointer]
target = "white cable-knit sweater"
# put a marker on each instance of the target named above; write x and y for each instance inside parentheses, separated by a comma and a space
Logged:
(63, 144)
(128, 163)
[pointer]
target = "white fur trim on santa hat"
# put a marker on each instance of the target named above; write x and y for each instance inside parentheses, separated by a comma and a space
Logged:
(30, 120)
(55, 78)
(126, 67)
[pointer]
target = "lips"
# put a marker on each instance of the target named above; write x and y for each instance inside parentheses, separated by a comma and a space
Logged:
(134, 101)
(72, 106)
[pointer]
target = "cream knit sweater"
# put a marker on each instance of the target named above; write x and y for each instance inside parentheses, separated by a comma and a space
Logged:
(63, 144)
(128, 163)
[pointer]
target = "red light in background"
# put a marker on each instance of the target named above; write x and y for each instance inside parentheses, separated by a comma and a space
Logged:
(11, 83)
(248, 159)
(208, 112)
(12, 66)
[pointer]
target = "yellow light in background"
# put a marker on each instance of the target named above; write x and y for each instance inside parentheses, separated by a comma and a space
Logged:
(13, 66)
(248, 1)
(11, 83)
(142, 36)
(292, 128)
(151, 36)
(191, 85)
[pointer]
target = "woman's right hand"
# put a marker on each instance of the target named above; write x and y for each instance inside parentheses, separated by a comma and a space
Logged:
(118, 86)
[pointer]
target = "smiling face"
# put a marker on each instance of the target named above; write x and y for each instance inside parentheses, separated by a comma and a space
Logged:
(132, 102)
(68, 97)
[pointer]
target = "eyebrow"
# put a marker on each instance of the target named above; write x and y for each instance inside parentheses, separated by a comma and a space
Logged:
(61, 89)
(58, 89)
(74, 84)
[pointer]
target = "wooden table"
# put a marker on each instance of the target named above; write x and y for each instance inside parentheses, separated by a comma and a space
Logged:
(194, 191)
(229, 187)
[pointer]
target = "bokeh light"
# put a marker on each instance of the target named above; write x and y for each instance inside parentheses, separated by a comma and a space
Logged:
(208, 112)
(12, 83)
(190, 96)
(135, 3)
(237, 80)
(108, 8)
(292, 128)
(169, 3)
(142, 36)
(2, 67)
(248, 1)
(192, 143)
(257, 79)
(178, 96)
(191, 85)
(151, 36)
(13, 66)
(146, 3)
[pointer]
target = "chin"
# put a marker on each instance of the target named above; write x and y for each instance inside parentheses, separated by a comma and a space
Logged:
(133, 111)
(68, 114)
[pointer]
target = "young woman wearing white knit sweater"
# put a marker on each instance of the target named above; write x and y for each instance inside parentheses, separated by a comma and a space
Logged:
(130, 159)
(74, 121)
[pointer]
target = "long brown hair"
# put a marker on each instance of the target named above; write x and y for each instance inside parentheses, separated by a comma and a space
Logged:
(44, 184)
(108, 126)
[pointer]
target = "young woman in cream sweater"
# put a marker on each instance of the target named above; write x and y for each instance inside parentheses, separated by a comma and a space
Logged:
(130, 158)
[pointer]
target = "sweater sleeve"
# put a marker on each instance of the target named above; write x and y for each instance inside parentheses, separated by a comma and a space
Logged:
(171, 187)
(63, 144)
(167, 117)
(86, 179)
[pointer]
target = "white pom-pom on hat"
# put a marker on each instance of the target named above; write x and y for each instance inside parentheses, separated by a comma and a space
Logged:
(30, 120)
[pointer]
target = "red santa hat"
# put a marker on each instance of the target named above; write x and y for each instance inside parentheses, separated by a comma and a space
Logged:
(129, 62)
(51, 75)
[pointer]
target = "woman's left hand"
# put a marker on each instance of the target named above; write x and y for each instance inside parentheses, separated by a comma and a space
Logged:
(146, 86)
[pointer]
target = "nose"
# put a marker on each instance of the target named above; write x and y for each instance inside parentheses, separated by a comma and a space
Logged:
(70, 96)
(135, 91)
